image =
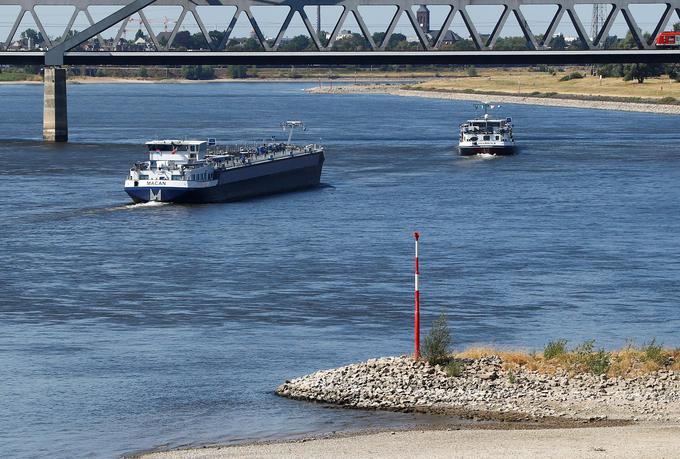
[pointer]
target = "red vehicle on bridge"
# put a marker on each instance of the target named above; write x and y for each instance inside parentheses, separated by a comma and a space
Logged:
(668, 40)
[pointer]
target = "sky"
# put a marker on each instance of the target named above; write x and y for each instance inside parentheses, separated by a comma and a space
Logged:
(55, 19)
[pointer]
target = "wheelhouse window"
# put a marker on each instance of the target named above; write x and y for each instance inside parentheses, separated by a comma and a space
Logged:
(160, 147)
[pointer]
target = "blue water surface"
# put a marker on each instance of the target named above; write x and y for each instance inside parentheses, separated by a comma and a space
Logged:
(126, 327)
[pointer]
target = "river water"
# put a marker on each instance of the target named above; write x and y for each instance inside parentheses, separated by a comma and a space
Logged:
(126, 327)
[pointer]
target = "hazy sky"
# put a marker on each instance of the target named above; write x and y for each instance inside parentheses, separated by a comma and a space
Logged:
(55, 19)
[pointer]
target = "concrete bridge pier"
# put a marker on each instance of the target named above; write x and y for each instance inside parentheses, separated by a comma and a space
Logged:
(55, 121)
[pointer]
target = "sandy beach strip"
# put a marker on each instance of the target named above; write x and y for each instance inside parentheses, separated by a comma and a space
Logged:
(506, 99)
(638, 441)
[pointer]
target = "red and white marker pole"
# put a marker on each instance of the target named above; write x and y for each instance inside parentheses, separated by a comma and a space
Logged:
(416, 235)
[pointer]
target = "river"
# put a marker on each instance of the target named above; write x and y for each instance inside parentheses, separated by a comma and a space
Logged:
(127, 327)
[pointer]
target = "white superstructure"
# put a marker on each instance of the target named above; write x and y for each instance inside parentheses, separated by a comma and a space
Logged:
(486, 135)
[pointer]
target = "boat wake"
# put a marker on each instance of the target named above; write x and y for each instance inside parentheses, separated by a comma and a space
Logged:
(133, 206)
(146, 205)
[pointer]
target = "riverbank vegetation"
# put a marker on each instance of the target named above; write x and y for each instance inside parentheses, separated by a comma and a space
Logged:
(613, 82)
(610, 82)
(630, 361)
(18, 74)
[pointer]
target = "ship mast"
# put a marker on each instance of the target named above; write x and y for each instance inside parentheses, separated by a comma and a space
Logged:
(291, 125)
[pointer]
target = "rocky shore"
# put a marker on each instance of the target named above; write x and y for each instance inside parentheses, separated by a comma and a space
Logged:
(487, 385)
(400, 90)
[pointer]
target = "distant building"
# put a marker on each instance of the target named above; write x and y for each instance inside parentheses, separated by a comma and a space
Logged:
(423, 18)
(567, 38)
(344, 34)
(450, 38)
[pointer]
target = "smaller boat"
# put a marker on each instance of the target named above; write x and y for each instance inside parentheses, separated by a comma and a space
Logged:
(486, 136)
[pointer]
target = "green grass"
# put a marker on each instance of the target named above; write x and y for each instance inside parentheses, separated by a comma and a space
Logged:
(18, 76)
(454, 368)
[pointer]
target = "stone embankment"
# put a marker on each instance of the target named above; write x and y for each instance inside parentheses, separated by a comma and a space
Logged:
(485, 385)
(400, 90)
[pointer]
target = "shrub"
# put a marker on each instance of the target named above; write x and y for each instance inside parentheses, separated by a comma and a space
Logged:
(454, 368)
(585, 348)
(142, 72)
(597, 363)
(437, 342)
(471, 71)
(512, 377)
(668, 100)
(572, 76)
(555, 348)
(653, 352)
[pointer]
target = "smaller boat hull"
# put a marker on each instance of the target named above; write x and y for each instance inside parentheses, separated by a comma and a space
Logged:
(505, 150)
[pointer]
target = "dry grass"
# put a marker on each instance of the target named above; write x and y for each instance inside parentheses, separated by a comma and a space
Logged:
(629, 362)
(522, 81)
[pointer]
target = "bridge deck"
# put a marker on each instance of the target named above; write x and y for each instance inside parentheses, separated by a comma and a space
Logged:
(349, 58)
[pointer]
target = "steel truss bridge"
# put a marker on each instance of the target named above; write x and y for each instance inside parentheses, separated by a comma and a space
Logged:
(61, 50)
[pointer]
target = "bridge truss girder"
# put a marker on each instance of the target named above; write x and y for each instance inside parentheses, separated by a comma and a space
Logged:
(59, 49)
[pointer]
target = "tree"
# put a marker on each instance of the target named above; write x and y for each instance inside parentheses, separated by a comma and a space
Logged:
(628, 42)
(558, 43)
(511, 44)
(397, 41)
(460, 45)
(139, 35)
(34, 36)
(356, 42)
(676, 27)
(237, 71)
(610, 70)
(216, 36)
(641, 71)
(672, 70)
(249, 44)
(198, 41)
(198, 72)
(182, 40)
(298, 43)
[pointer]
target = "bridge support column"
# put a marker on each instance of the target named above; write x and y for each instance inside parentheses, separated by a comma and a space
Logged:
(55, 121)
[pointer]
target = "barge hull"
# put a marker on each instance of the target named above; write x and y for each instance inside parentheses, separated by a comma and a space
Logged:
(294, 173)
